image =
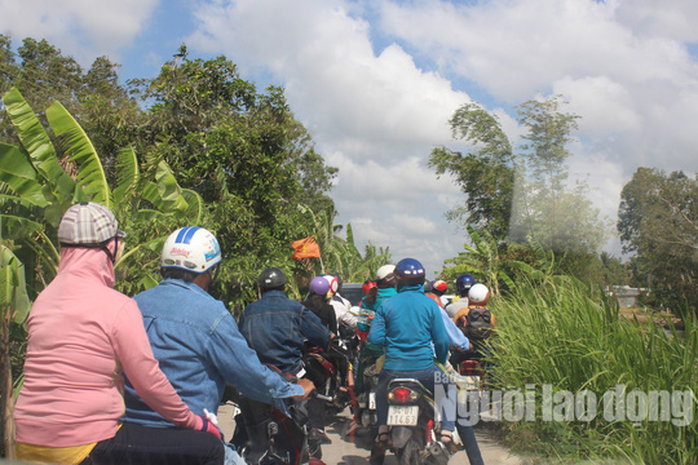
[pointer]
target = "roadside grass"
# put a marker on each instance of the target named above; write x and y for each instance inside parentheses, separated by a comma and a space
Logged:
(571, 338)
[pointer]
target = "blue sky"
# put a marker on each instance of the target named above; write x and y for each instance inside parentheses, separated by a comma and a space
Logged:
(375, 82)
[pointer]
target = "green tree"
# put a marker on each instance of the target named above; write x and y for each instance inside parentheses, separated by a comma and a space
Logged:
(14, 307)
(547, 210)
(522, 195)
(658, 223)
(341, 256)
(43, 74)
(483, 260)
(485, 174)
(244, 153)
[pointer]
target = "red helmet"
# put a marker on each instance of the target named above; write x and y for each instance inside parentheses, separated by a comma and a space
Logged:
(440, 285)
(368, 285)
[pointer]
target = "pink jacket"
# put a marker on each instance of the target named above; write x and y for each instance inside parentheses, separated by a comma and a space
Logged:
(82, 335)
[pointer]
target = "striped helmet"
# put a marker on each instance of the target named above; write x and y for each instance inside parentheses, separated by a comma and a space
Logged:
(192, 249)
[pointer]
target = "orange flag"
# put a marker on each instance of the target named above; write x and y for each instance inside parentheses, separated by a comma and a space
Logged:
(306, 248)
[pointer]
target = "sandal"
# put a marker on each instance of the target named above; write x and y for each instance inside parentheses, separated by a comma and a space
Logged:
(383, 439)
(446, 438)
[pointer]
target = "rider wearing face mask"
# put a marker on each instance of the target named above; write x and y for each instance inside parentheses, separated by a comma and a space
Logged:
(82, 335)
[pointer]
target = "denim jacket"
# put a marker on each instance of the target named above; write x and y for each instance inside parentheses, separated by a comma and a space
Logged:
(276, 328)
(200, 349)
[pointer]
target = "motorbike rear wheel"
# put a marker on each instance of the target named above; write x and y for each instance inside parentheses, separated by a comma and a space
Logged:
(411, 453)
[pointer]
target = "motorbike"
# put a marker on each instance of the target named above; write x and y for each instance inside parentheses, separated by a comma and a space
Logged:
(366, 402)
(266, 435)
(332, 372)
(471, 375)
(414, 422)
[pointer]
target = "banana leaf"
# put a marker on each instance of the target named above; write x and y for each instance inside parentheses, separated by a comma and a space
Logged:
(91, 176)
(195, 210)
(41, 152)
(20, 175)
(165, 194)
(127, 174)
(13, 290)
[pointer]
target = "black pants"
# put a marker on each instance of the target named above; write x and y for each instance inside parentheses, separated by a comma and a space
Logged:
(140, 445)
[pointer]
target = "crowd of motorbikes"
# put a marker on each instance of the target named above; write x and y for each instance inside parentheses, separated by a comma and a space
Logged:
(266, 435)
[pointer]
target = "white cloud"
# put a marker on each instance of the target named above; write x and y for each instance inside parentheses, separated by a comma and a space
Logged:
(375, 116)
(673, 19)
(84, 29)
(335, 82)
(376, 83)
(606, 105)
(623, 66)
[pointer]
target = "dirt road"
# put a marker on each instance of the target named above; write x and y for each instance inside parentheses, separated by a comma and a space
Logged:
(346, 450)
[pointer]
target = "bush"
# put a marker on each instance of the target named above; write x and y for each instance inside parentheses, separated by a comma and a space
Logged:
(569, 337)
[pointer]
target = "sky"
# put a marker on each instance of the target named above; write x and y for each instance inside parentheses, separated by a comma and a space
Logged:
(375, 83)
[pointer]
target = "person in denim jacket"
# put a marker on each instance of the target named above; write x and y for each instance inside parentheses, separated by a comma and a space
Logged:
(277, 327)
(195, 338)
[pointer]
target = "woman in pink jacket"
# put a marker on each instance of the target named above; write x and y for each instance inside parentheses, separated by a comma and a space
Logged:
(82, 336)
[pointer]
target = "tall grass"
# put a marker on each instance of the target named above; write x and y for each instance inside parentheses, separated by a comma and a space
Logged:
(564, 334)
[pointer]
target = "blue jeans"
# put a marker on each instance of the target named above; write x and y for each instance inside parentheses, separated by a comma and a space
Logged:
(467, 436)
(426, 377)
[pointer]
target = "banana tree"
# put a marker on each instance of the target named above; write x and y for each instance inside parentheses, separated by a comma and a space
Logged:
(14, 308)
(481, 259)
(38, 183)
(340, 255)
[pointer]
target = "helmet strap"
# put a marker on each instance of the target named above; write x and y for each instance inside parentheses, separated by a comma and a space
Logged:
(112, 256)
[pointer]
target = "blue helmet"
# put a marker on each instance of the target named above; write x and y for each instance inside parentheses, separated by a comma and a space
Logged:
(463, 284)
(409, 271)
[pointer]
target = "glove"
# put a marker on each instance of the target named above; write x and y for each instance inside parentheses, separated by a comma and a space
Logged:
(209, 427)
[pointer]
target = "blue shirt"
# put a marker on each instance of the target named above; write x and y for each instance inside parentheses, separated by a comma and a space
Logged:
(407, 325)
(200, 349)
(455, 335)
(370, 308)
(276, 328)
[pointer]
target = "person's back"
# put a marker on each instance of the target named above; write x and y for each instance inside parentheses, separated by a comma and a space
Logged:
(70, 349)
(406, 324)
(276, 327)
(195, 338)
(317, 303)
(410, 327)
(463, 284)
(184, 326)
(82, 334)
(476, 321)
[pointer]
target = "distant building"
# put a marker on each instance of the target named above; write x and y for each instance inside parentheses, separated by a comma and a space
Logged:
(627, 296)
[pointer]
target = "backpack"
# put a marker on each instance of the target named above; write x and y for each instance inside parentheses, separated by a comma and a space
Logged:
(477, 324)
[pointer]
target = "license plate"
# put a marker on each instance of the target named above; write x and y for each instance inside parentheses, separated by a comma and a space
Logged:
(403, 415)
(371, 400)
(471, 383)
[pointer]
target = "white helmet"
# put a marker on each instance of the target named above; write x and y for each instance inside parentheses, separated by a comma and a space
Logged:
(334, 284)
(385, 272)
(192, 249)
(478, 294)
